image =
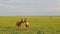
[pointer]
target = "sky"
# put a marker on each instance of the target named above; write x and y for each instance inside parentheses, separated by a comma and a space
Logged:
(29, 7)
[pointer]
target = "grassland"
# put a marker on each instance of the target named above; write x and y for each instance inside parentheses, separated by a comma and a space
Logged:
(38, 25)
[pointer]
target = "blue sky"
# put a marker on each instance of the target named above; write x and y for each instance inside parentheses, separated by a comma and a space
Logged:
(29, 7)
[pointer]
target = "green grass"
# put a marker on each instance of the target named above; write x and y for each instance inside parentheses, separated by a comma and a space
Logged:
(38, 25)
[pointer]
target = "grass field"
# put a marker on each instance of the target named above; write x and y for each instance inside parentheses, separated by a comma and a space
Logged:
(38, 25)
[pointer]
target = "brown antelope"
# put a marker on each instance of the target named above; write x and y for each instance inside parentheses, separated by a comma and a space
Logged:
(26, 23)
(19, 23)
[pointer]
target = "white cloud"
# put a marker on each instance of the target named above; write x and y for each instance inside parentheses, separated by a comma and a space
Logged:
(27, 7)
(51, 5)
(6, 6)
